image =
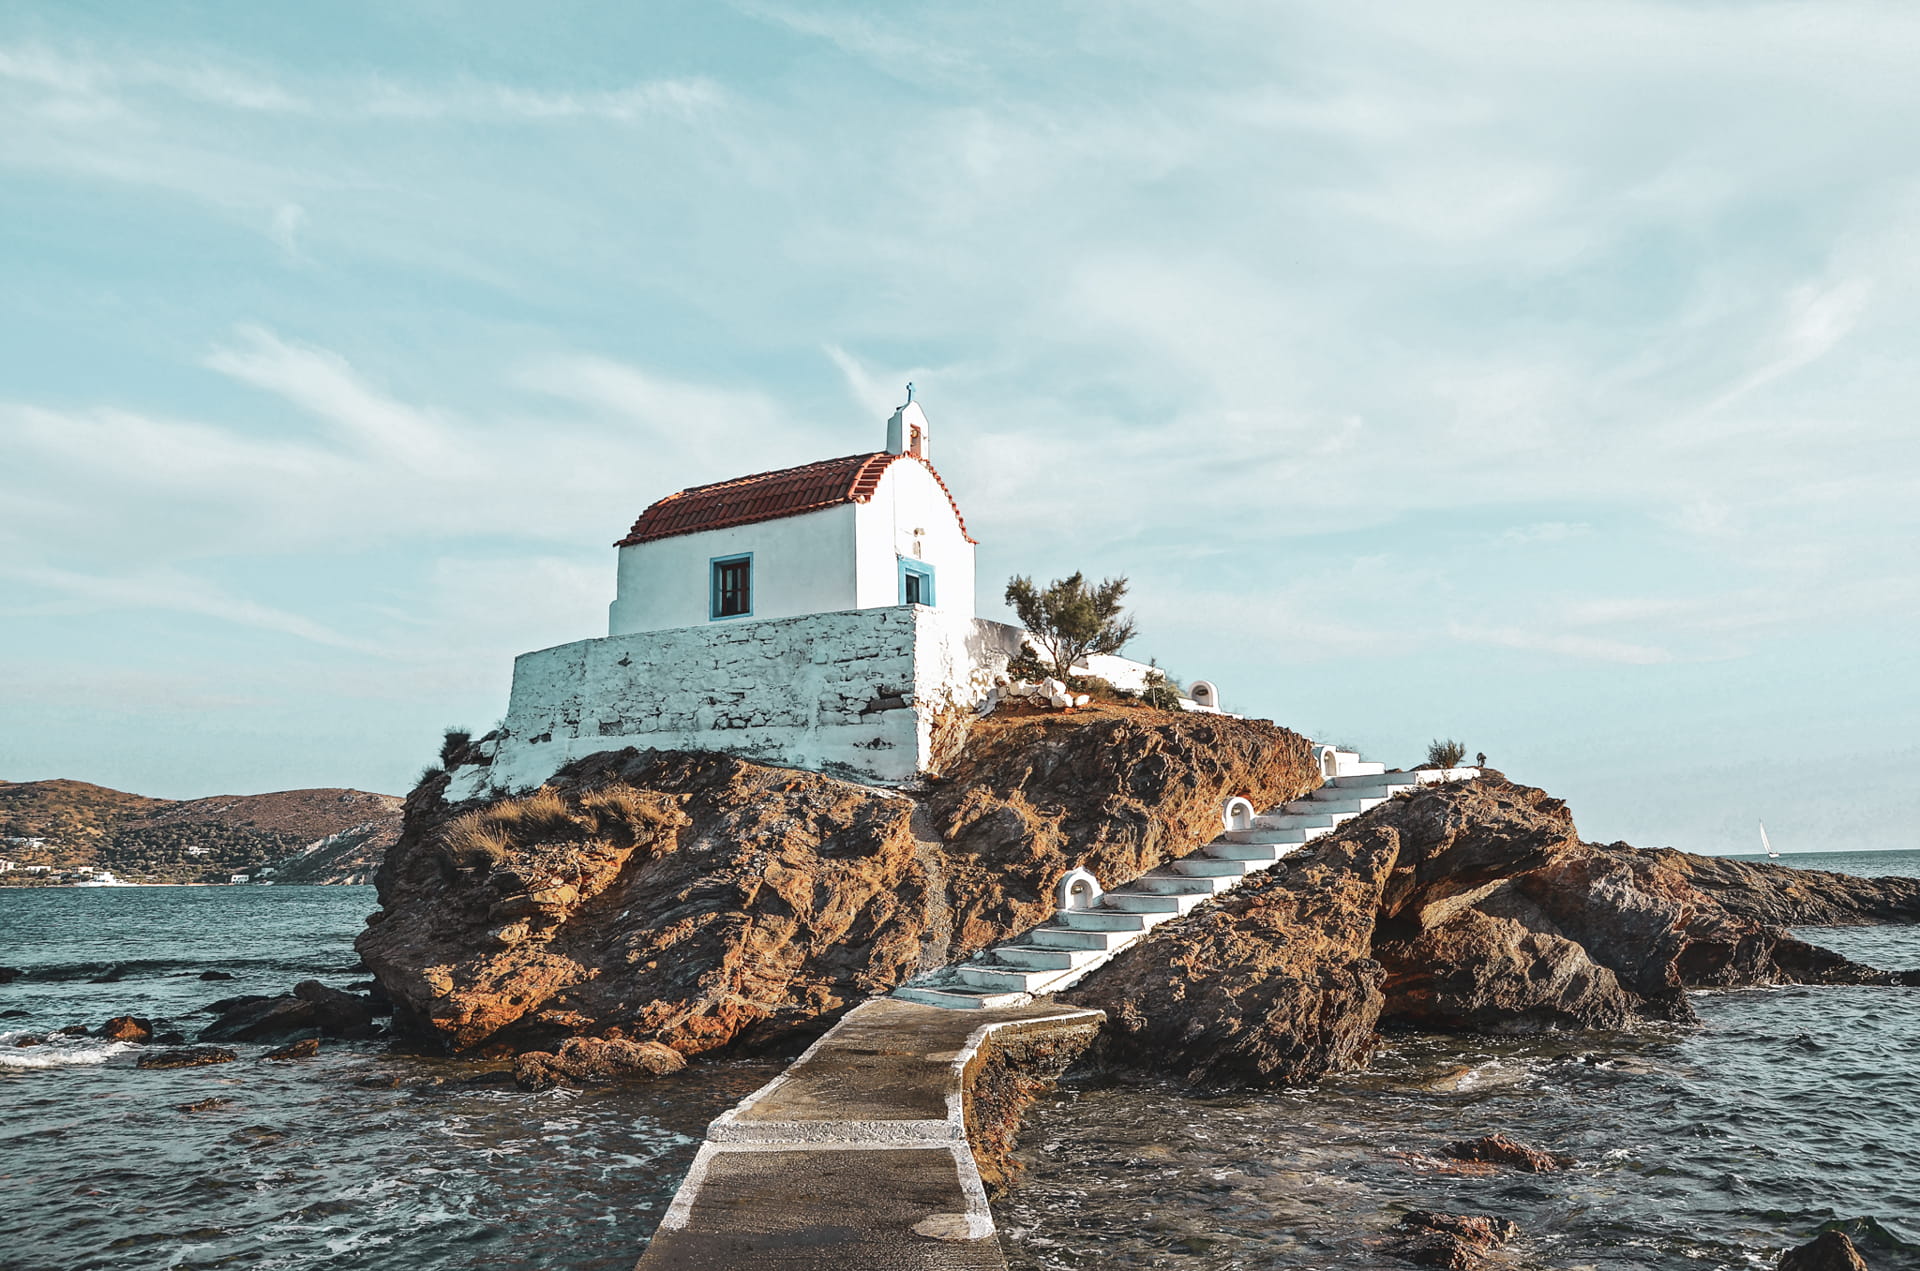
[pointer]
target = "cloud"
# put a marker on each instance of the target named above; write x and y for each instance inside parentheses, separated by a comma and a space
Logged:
(1581, 647)
(170, 590)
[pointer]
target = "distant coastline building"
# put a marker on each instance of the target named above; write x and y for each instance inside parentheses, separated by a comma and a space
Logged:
(820, 617)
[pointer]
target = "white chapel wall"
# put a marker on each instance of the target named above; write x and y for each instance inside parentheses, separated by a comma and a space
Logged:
(910, 497)
(801, 564)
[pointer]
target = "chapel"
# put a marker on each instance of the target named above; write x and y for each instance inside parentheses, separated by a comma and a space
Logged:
(863, 531)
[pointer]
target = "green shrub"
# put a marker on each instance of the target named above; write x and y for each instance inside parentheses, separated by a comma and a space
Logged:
(1161, 692)
(1070, 619)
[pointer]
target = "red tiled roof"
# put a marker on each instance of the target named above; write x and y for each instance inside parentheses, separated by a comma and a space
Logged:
(768, 496)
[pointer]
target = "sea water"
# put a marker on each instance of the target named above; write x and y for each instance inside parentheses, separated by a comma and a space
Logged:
(302, 1166)
(1704, 1147)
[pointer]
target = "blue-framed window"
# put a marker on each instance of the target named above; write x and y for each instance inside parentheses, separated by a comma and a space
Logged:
(731, 589)
(916, 582)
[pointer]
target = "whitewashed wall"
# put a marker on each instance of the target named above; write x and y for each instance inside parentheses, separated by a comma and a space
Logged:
(909, 498)
(801, 564)
(856, 692)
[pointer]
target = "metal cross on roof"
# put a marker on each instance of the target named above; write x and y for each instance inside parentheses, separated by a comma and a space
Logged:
(909, 390)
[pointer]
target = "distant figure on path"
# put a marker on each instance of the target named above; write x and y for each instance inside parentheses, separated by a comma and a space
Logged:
(1480, 760)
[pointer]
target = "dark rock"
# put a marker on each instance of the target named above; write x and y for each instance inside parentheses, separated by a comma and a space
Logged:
(496, 1077)
(380, 1081)
(81, 1030)
(171, 1037)
(1829, 1251)
(15, 1014)
(1498, 1149)
(264, 1019)
(28, 1039)
(306, 1049)
(593, 1061)
(127, 1028)
(8, 974)
(340, 1014)
(311, 1010)
(215, 975)
(187, 1057)
(225, 1004)
(1455, 1242)
(203, 1105)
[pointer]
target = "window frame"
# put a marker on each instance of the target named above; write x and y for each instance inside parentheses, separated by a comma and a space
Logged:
(714, 566)
(925, 572)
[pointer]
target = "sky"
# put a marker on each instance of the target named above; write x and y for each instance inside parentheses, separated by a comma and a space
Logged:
(1536, 375)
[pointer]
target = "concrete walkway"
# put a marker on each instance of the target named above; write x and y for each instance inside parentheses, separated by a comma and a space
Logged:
(856, 1156)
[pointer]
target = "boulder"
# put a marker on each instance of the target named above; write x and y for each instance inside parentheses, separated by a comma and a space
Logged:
(187, 1057)
(595, 1061)
(127, 1028)
(304, 1049)
(1829, 1251)
(1498, 1149)
(81, 1030)
(311, 1010)
(264, 1019)
(1455, 1242)
(215, 975)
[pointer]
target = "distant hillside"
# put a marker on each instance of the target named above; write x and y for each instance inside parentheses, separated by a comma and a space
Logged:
(311, 836)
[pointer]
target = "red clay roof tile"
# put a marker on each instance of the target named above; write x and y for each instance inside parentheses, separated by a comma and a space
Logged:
(768, 496)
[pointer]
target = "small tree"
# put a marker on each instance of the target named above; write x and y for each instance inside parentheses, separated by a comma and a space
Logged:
(1071, 620)
(1445, 754)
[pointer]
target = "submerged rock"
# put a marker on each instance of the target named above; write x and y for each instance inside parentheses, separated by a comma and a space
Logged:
(1498, 1149)
(591, 1061)
(8, 974)
(306, 1049)
(1456, 1242)
(1829, 1251)
(215, 975)
(704, 901)
(186, 1057)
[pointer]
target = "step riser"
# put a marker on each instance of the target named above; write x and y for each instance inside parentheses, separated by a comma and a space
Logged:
(1302, 821)
(1183, 884)
(962, 1001)
(1311, 807)
(1277, 836)
(1033, 959)
(1095, 940)
(1097, 920)
(1153, 902)
(1210, 866)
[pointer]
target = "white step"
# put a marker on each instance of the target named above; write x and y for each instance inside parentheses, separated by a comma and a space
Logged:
(960, 999)
(1354, 803)
(1296, 836)
(1074, 938)
(1042, 958)
(1252, 855)
(1301, 820)
(1002, 979)
(1172, 883)
(1099, 919)
(1144, 902)
(1202, 863)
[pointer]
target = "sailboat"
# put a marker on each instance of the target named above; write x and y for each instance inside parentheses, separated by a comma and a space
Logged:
(1771, 854)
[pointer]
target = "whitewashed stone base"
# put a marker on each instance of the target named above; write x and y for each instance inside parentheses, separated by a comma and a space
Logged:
(857, 692)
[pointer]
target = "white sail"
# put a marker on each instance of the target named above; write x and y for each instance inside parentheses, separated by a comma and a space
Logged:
(1765, 844)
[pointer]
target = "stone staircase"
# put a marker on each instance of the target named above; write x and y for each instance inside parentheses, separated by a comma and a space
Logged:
(1091, 927)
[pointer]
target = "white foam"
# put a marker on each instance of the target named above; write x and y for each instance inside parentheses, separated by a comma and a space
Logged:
(60, 1052)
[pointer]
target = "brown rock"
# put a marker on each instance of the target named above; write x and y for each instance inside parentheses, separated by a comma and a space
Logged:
(127, 1028)
(306, 1049)
(28, 1039)
(703, 901)
(75, 1030)
(591, 1061)
(1498, 1149)
(1829, 1251)
(187, 1057)
(1456, 1242)
(1275, 984)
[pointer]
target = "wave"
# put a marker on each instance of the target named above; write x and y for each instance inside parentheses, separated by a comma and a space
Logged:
(57, 1052)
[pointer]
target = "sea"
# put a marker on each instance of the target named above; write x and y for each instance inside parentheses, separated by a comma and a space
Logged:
(1785, 1111)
